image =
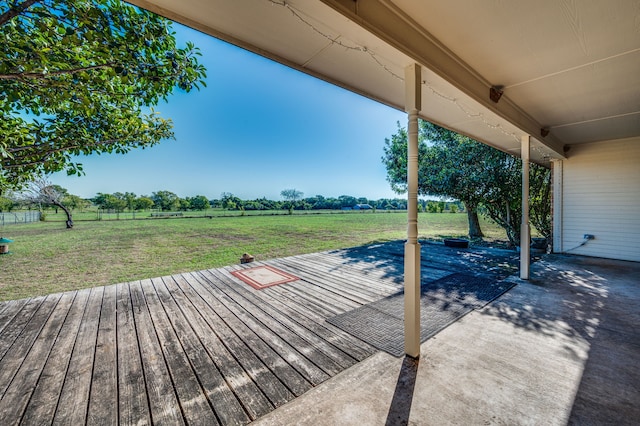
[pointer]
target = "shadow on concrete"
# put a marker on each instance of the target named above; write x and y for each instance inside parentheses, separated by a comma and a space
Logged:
(609, 391)
(400, 408)
(593, 305)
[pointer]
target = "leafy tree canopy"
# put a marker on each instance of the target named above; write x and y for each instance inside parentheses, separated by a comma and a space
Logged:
(199, 202)
(143, 203)
(75, 78)
(453, 165)
(165, 200)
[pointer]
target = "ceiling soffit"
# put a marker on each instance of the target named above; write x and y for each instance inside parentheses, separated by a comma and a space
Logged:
(572, 66)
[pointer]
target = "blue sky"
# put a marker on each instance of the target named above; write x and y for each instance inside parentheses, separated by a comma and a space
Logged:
(256, 129)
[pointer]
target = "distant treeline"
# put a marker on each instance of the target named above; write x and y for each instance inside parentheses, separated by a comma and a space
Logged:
(169, 201)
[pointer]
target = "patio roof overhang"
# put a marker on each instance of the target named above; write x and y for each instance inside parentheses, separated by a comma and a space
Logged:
(567, 68)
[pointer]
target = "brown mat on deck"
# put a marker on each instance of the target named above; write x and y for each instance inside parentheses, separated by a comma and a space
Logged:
(265, 276)
(442, 302)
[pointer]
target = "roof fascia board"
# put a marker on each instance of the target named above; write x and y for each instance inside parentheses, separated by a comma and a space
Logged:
(392, 25)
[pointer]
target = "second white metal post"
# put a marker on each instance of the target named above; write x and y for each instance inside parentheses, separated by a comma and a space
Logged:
(413, 81)
(525, 231)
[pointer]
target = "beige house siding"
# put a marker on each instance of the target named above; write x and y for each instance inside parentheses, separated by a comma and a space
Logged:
(601, 197)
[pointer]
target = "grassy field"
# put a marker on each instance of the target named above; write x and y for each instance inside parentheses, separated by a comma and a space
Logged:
(47, 258)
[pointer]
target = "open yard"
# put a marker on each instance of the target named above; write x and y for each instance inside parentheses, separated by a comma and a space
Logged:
(48, 258)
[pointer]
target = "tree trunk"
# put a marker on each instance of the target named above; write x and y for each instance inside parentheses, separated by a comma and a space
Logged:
(474, 222)
(68, 213)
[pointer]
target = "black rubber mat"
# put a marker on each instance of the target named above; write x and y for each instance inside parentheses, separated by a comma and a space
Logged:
(442, 302)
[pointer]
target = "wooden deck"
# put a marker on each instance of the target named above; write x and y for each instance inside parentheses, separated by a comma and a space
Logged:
(195, 348)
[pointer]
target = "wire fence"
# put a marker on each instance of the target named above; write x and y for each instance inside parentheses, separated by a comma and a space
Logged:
(20, 217)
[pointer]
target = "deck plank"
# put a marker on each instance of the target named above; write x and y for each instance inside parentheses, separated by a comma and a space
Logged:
(163, 402)
(103, 398)
(350, 287)
(14, 327)
(9, 311)
(303, 315)
(19, 391)
(193, 402)
(269, 384)
(321, 296)
(255, 403)
(224, 402)
(317, 366)
(302, 365)
(133, 407)
(378, 276)
(301, 329)
(323, 306)
(74, 398)
(16, 354)
(274, 360)
(44, 399)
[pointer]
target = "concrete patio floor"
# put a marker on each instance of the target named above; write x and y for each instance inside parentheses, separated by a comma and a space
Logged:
(562, 348)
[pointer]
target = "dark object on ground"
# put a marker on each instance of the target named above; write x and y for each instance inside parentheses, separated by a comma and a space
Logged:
(539, 243)
(456, 242)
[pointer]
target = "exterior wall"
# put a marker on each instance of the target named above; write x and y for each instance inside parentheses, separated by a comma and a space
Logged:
(601, 196)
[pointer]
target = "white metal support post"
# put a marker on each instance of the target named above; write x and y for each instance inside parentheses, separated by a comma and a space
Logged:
(413, 93)
(557, 205)
(525, 231)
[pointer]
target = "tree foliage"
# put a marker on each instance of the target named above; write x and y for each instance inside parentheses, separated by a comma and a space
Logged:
(165, 200)
(143, 203)
(291, 194)
(455, 166)
(199, 202)
(76, 77)
(115, 201)
(447, 168)
(230, 201)
(6, 204)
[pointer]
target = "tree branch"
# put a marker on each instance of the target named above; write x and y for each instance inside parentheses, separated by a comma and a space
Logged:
(64, 148)
(15, 11)
(39, 75)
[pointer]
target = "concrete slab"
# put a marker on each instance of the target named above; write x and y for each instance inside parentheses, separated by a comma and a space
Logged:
(562, 348)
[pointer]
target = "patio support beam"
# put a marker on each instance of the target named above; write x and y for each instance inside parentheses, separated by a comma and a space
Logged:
(413, 96)
(390, 23)
(525, 231)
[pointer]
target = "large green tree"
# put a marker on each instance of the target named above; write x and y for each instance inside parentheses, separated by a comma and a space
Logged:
(447, 168)
(165, 200)
(79, 77)
(453, 165)
(199, 202)
(143, 203)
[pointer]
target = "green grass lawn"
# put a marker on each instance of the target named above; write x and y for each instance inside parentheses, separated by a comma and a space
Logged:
(47, 258)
